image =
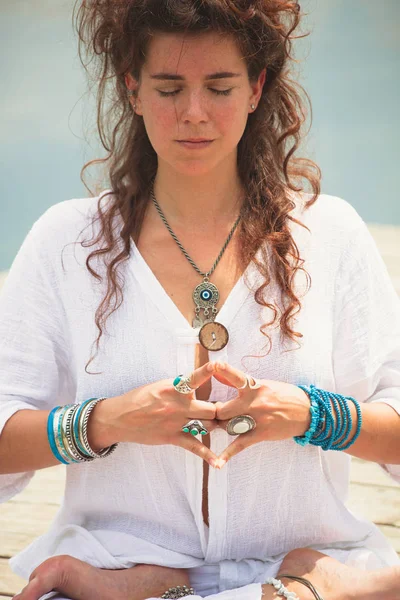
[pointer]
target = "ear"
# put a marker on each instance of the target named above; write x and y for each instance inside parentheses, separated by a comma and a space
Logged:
(132, 84)
(258, 87)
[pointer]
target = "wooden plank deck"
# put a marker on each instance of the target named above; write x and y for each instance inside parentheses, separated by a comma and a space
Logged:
(373, 494)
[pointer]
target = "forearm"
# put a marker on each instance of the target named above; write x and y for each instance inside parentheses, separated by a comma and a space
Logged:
(23, 443)
(379, 439)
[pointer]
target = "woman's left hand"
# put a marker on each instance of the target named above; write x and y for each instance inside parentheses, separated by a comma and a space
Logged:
(280, 410)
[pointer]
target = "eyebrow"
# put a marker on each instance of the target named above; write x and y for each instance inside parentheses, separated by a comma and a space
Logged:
(173, 77)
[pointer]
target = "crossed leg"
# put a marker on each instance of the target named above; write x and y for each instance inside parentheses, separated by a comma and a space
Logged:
(75, 580)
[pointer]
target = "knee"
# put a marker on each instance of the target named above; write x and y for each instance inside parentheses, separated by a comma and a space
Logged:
(299, 561)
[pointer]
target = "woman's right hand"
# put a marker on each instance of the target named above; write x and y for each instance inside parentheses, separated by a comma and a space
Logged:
(154, 414)
(78, 580)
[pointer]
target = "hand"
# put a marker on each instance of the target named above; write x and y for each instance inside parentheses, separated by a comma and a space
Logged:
(333, 579)
(281, 410)
(80, 581)
(154, 414)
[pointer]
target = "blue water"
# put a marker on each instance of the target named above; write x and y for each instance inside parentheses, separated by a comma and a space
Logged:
(351, 72)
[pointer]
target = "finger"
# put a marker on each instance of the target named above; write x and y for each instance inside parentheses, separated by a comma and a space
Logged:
(228, 375)
(233, 408)
(201, 375)
(200, 409)
(209, 425)
(243, 441)
(190, 443)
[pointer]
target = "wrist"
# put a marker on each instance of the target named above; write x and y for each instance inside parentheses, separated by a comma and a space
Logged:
(269, 592)
(100, 430)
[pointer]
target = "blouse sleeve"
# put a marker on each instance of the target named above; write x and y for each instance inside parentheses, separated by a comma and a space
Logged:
(34, 354)
(366, 352)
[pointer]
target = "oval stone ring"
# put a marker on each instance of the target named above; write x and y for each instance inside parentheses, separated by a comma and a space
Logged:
(240, 424)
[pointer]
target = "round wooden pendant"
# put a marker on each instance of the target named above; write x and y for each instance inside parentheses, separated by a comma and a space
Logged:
(213, 336)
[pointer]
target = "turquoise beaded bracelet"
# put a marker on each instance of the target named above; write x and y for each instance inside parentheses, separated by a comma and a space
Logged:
(323, 430)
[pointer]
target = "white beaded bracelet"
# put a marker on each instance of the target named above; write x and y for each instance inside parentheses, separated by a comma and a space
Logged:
(281, 590)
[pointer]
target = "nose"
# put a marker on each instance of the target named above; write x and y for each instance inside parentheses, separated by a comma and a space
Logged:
(194, 107)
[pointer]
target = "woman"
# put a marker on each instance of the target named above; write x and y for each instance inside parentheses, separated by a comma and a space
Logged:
(197, 288)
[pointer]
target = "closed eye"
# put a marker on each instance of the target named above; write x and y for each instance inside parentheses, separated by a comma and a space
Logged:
(218, 92)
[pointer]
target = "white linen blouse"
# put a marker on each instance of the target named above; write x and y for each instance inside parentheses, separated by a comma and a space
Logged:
(143, 504)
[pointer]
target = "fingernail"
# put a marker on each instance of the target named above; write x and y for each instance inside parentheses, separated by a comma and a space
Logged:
(213, 463)
(221, 463)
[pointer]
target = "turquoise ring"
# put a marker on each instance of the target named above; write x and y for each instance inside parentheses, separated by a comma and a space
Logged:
(195, 427)
(182, 384)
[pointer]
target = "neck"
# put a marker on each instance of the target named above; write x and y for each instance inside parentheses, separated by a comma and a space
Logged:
(214, 198)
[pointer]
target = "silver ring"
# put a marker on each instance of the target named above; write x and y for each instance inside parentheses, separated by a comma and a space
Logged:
(182, 384)
(240, 424)
(252, 386)
(195, 427)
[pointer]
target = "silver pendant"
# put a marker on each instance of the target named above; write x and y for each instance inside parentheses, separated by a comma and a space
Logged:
(206, 296)
(213, 336)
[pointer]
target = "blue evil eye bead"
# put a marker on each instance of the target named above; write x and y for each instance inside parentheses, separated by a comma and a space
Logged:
(206, 295)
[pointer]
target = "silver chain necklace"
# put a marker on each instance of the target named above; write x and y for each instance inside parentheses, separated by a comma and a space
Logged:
(213, 336)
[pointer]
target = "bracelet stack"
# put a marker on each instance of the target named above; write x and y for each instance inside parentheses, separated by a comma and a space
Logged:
(67, 433)
(324, 431)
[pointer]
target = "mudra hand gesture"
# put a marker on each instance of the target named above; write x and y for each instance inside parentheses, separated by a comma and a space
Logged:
(280, 410)
(156, 413)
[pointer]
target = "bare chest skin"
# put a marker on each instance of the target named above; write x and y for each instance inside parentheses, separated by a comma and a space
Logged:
(179, 278)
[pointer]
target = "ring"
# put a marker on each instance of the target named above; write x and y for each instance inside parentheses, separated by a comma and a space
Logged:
(241, 424)
(182, 384)
(195, 427)
(252, 386)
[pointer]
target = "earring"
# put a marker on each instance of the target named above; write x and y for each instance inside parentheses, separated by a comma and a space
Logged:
(130, 92)
(252, 107)
(134, 107)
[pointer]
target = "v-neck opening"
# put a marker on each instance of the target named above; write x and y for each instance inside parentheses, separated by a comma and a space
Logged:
(166, 305)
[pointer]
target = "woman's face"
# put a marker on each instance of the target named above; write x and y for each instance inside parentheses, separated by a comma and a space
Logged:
(178, 100)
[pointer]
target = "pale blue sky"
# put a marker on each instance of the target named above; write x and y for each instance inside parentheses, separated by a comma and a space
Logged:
(351, 71)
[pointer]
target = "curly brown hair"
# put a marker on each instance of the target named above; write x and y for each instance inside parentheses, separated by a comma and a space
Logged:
(113, 38)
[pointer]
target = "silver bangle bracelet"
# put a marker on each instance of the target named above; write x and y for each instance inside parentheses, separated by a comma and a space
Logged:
(57, 424)
(70, 423)
(180, 591)
(83, 427)
(68, 437)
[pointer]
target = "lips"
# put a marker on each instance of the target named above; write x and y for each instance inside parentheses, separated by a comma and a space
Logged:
(194, 141)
